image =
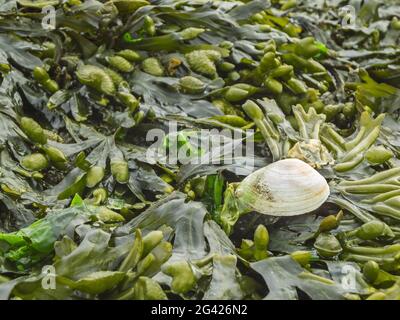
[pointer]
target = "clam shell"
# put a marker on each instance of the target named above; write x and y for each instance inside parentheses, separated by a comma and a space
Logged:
(284, 188)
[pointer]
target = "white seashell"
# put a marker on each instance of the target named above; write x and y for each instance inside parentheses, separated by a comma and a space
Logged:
(313, 152)
(287, 187)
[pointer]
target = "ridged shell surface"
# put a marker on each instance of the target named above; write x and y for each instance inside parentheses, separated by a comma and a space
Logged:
(284, 188)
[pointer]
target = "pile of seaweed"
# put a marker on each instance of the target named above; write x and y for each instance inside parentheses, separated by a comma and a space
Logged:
(90, 210)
